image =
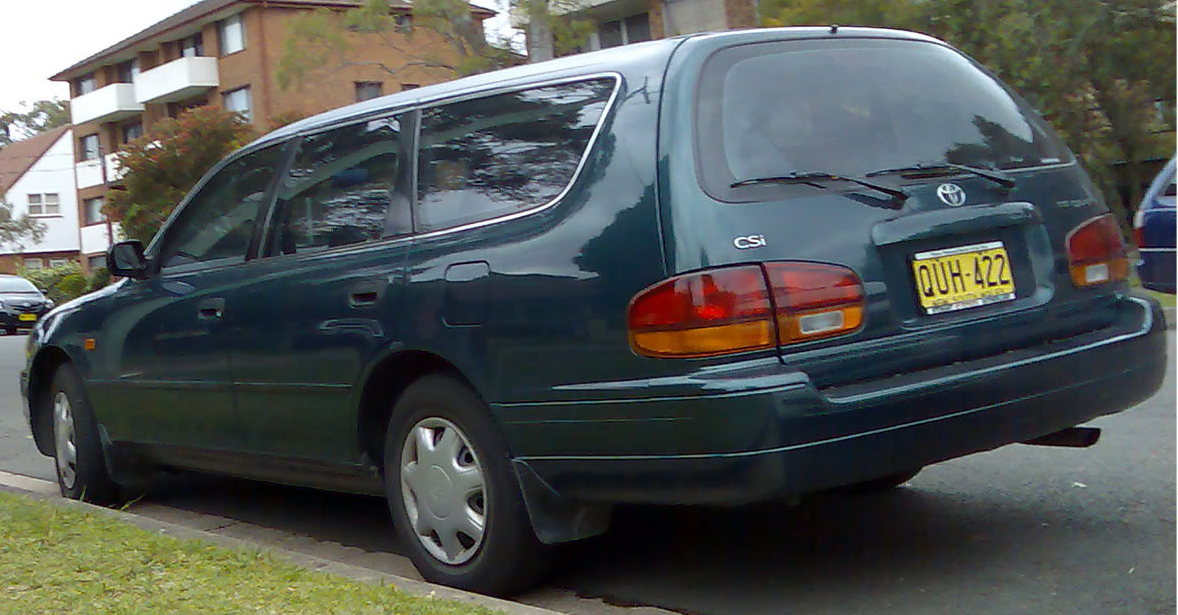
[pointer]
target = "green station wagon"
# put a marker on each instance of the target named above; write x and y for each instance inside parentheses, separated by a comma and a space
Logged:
(714, 269)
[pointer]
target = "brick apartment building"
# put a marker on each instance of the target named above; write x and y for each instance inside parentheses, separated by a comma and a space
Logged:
(223, 53)
(621, 22)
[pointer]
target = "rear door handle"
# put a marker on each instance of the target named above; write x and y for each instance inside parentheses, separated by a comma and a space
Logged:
(365, 294)
(211, 309)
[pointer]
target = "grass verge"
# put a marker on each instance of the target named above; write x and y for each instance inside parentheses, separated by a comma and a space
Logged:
(55, 559)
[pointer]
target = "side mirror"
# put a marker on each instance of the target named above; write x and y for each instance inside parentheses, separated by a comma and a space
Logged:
(125, 259)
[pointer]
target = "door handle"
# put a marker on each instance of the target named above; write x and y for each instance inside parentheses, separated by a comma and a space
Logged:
(365, 298)
(211, 309)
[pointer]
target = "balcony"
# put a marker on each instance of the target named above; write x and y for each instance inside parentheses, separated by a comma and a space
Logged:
(177, 80)
(108, 104)
(90, 172)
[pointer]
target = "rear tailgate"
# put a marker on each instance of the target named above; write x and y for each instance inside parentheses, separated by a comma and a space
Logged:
(971, 264)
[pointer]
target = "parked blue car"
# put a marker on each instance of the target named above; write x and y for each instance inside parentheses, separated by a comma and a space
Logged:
(1153, 228)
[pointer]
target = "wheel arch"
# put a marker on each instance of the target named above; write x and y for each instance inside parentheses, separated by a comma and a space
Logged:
(383, 386)
(44, 365)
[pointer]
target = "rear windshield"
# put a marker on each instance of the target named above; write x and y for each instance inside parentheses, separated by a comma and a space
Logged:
(852, 107)
(16, 285)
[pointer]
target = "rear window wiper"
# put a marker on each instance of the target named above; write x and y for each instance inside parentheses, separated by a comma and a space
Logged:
(942, 168)
(814, 178)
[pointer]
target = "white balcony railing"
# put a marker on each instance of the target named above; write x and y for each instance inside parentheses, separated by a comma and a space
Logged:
(179, 79)
(106, 104)
(90, 172)
(96, 237)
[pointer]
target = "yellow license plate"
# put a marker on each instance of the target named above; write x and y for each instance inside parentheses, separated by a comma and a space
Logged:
(963, 277)
(27, 317)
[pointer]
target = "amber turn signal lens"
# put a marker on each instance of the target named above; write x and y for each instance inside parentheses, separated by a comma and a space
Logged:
(1097, 253)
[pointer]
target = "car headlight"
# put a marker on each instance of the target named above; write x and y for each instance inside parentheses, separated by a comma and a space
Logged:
(49, 304)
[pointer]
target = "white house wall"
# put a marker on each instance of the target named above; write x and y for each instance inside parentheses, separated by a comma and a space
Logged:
(52, 173)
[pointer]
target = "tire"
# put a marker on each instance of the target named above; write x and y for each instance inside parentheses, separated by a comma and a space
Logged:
(81, 469)
(10, 331)
(885, 483)
(491, 548)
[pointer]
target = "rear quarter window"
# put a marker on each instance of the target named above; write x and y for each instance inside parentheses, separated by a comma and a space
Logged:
(497, 155)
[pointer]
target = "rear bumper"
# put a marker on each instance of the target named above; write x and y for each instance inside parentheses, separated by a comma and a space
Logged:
(772, 433)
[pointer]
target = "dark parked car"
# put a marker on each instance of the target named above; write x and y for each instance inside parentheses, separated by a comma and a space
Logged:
(21, 304)
(1154, 230)
(720, 268)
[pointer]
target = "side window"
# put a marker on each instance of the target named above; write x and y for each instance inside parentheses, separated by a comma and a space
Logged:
(492, 156)
(218, 222)
(341, 189)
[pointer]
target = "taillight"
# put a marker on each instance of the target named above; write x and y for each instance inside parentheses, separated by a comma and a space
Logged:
(701, 314)
(1096, 252)
(732, 309)
(1139, 228)
(815, 300)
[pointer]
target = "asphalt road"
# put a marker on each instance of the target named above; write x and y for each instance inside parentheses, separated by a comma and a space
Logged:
(1018, 530)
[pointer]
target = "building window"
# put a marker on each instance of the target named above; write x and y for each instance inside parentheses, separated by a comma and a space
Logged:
(192, 46)
(633, 29)
(368, 89)
(85, 84)
(44, 204)
(58, 262)
(409, 86)
(88, 147)
(231, 34)
(33, 264)
(238, 100)
(131, 131)
(92, 210)
(128, 71)
(97, 262)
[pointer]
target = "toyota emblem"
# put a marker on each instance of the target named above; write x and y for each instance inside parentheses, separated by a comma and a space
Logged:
(951, 195)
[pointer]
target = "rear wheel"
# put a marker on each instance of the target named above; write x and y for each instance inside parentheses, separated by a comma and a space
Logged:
(454, 498)
(77, 450)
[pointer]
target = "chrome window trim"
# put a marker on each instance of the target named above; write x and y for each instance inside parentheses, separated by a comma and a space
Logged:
(609, 105)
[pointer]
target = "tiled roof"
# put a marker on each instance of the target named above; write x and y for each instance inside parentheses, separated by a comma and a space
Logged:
(16, 158)
(208, 7)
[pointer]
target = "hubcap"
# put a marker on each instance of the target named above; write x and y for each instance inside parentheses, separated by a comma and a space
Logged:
(65, 447)
(443, 490)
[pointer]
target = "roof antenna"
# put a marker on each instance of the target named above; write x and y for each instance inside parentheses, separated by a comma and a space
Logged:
(834, 28)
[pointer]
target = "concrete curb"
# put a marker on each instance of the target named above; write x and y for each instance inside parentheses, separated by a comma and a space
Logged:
(47, 492)
(1170, 321)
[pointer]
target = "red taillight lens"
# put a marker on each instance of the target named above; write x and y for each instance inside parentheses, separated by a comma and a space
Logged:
(1097, 253)
(728, 310)
(701, 314)
(815, 300)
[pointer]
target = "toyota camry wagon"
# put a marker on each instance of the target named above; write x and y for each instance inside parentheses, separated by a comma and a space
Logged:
(715, 269)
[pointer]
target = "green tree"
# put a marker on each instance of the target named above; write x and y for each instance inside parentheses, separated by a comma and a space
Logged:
(14, 231)
(44, 115)
(1102, 72)
(166, 162)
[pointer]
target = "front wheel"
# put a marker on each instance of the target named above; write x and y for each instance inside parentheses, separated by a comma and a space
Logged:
(77, 450)
(455, 501)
